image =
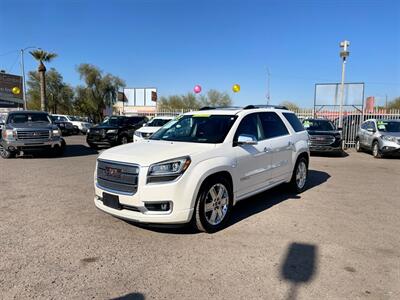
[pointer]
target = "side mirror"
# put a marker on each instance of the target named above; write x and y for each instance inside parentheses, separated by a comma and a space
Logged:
(247, 139)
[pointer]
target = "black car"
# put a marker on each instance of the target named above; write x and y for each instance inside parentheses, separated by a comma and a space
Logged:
(323, 136)
(115, 130)
(66, 127)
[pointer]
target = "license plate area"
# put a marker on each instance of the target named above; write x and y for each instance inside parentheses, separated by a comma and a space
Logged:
(111, 201)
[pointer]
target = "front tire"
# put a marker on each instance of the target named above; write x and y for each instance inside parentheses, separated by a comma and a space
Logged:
(4, 153)
(300, 175)
(375, 150)
(358, 145)
(213, 205)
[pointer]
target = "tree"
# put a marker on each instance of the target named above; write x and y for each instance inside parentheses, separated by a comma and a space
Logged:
(290, 105)
(394, 104)
(100, 90)
(58, 93)
(213, 98)
(42, 56)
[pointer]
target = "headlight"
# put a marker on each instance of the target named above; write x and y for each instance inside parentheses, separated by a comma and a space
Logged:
(56, 132)
(168, 170)
(9, 134)
(138, 134)
(112, 131)
(389, 138)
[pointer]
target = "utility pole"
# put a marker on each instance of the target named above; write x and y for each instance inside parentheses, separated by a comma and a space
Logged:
(268, 86)
(344, 53)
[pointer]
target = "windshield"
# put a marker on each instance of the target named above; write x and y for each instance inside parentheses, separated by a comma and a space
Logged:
(112, 121)
(73, 118)
(28, 118)
(157, 122)
(200, 128)
(388, 126)
(318, 125)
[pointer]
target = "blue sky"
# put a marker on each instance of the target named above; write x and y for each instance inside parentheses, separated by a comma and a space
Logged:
(175, 44)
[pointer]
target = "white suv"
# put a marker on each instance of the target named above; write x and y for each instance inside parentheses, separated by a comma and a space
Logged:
(198, 166)
(148, 129)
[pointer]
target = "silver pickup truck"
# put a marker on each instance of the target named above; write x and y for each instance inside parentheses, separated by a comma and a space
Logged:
(29, 130)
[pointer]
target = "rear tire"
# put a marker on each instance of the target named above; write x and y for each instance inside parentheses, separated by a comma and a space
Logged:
(213, 205)
(300, 175)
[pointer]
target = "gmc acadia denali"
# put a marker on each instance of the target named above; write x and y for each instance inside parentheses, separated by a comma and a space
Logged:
(198, 166)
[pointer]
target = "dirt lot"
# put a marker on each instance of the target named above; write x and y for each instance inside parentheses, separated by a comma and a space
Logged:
(338, 240)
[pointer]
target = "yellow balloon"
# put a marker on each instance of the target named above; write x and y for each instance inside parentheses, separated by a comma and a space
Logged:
(15, 90)
(236, 88)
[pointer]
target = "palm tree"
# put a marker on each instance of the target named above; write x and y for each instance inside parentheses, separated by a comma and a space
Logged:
(42, 56)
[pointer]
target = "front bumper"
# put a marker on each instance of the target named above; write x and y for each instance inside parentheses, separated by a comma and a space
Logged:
(31, 144)
(324, 148)
(179, 193)
(108, 139)
(389, 148)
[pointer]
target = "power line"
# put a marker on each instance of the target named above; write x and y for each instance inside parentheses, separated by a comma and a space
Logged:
(13, 64)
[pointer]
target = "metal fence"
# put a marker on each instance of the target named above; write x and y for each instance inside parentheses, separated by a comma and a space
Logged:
(352, 119)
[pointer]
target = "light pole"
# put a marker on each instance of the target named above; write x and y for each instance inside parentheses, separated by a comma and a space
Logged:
(344, 53)
(23, 74)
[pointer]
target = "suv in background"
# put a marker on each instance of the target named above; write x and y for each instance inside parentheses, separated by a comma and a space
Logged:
(148, 129)
(29, 130)
(114, 130)
(323, 136)
(66, 127)
(379, 135)
(198, 166)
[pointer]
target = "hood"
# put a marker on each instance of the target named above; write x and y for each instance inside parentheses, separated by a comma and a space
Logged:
(396, 134)
(150, 151)
(105, 127)
(320, 132)
(31, 125)
(148, 129)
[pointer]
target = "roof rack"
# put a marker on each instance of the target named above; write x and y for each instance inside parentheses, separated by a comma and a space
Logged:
(251, 106)
(220, 107)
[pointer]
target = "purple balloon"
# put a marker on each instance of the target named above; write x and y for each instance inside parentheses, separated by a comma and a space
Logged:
(197, 89)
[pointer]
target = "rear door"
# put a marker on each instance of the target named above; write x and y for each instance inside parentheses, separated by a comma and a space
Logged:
(253, 161)
(370, 133)
(280, 145)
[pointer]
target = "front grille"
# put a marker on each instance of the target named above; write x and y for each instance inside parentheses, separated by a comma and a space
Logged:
(321, 140)
(98, 132)
(118, 177)
(33, 134)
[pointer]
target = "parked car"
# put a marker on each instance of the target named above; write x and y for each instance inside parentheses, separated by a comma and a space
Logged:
(152, 126)
(323, 136)
(81, 126)
(66, 127)
(380, 136)
(198, 166)
(114, 131)
(29, 130)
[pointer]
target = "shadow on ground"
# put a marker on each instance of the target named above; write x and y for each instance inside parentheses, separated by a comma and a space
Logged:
(251, 206)
(70, 151)
(299, 266)
(132, 296)
(342, 154)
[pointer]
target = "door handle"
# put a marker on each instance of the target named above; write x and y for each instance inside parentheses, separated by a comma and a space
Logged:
(266, 149)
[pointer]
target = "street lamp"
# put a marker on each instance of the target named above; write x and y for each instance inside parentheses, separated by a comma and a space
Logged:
(23, 73)
(344, 53)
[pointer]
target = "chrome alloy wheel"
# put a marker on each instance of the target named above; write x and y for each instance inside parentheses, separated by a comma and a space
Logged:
(301, 174)
(216, 204)
(375, 150)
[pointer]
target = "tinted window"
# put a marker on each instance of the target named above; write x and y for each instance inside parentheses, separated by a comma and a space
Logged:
(249, 126)
(28, 118)
(136, 120)
(389, 126)
(272, 125)
(294, 122)
(158, 122)
(113, 121)
(201, 128)
(364, 125)
(318, 125)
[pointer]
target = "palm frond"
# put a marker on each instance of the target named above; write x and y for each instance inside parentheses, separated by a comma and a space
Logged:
(42, 56)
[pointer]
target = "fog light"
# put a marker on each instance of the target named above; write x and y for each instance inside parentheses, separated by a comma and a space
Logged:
(157, 206)
(11, 148)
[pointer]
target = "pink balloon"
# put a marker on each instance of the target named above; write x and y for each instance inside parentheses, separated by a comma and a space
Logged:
(197, 89)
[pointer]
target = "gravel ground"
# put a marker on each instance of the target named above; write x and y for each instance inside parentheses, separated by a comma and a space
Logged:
(340, 239)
